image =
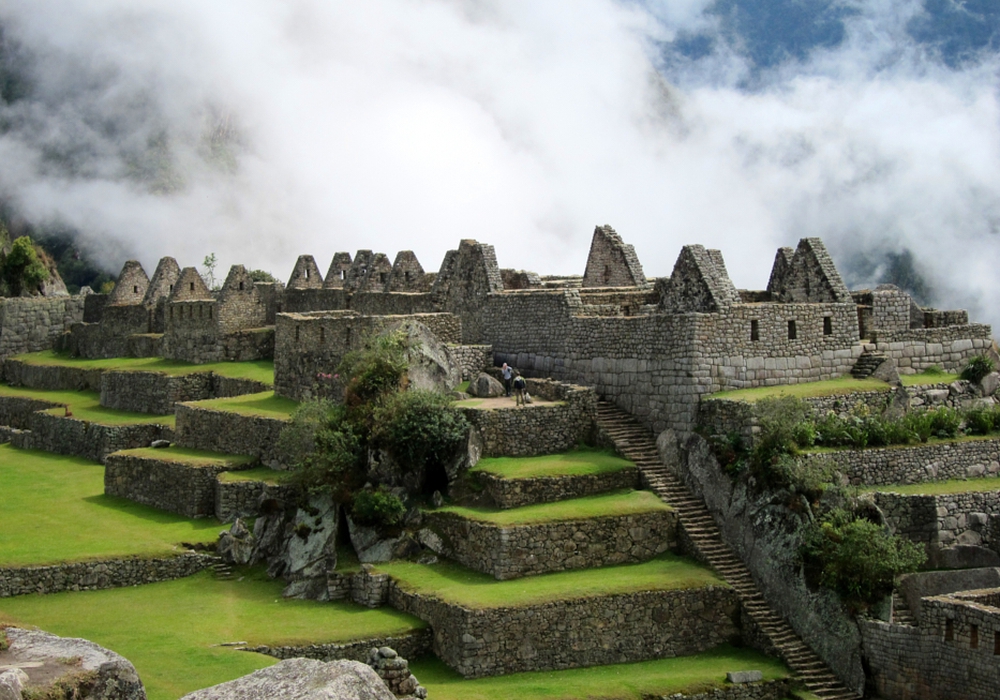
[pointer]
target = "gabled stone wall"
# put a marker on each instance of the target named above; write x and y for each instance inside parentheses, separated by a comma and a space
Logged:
(612, 262)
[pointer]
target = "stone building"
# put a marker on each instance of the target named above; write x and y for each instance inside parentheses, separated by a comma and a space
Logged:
(612, 262)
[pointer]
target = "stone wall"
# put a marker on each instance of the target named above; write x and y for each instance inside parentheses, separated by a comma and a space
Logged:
(912, 464)
(394, 303)
(944, 520)
(176, 487)
(524, 550)
(15, 411)
(764, 690)
(612, 262)
(71, 436)
(537, 430)
(572, 633)
(309, 344)
(950, 347)
(100, 574)
(31, 324)
(473, 359)
(409, 646)
(219, 431)
(242, 499)
(156, 392)
(950, 654)
(56, 377)
(514, 493)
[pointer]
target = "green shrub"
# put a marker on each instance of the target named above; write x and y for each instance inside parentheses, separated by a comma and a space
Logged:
(376, 370)
(324, 449)
(22, 268)
(945, 422)
(377, 508)
(978, 421)
(978, 367)
(857, 558)
(920, 423)
(419, 428)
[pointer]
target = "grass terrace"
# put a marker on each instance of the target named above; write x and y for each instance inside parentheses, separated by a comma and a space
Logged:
(829, 387)
(171, 631)
(266, 474)
(615, 503)
(928, 377)
(189, 457)
(662, 677)
(574, 463)
(940, 488)
(265, 405)
(55, 510)
(257, 370)
(85, 405)
(456, 584)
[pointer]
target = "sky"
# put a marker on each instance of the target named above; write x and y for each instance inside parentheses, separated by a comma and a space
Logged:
(266, 129)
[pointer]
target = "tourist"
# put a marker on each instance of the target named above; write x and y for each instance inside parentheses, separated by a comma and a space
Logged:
(507, 372)
(519, 390)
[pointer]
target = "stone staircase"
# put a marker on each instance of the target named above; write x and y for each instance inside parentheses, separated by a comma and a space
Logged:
(866, 364)
(222, 570)
(901, 613)
(636, 443)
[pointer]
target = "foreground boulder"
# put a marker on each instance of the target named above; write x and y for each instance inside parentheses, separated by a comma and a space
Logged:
(302, 679)
(84, 670)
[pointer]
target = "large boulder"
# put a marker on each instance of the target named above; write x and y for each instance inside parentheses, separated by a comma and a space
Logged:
(45, 656)
(431, 365)
(302, 679)
(484, 386)
(236, 544)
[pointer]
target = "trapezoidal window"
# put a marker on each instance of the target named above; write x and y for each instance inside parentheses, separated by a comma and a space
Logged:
(343, 274)
(996, 644)
(949, 630)
(754, 330)
(973, 636)
(135, 289)
(192, 285)
(827, 325)
(307, 274)
(381, 277)
(241, 286)
(792, 334)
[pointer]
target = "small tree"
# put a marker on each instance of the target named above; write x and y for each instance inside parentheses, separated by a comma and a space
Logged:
(262, 276)
(209, 263)
(419, 428)
(23, 269)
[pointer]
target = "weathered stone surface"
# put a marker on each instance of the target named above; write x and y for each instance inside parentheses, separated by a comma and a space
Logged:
(485, 386)
(744, 676)
(115, 677)
(12, 682)
(236, 544)
(302, 679)
(514, 493)
(395, 671)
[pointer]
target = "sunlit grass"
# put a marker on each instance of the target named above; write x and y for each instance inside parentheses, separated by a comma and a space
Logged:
(829, 387)
(85, 405)
(573, 463)
(265, 474)
(940, 488)
(265, 404)
(257, 370)
(190, 457)
(616, 503)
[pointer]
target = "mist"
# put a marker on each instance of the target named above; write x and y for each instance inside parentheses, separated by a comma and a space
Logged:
(264, 130)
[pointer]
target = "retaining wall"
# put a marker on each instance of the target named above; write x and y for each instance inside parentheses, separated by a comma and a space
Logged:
(157, 392)
(514, 493)
(242, 499)
(765, 690)
(95, 575)
(56, 377)
(523, 550)
(231, 433)
(15, 411)
(31, 324)
(944, 520)
(71, 436)
(603, 630)
(409, 646)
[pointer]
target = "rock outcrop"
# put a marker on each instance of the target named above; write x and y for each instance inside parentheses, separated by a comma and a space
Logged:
(302, 679)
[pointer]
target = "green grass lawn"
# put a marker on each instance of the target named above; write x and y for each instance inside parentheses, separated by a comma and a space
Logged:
(572, 463)
(54, 509)
(829, 387)
(926, 377)
(688, 674)
(605, 504)
(456, 584)
(265, 474)
(265, 404)
(193, 458)
(940, 488)
(169, 630)
(257, 370)
(85, 405)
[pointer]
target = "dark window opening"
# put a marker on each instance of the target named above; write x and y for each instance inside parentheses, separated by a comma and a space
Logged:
(607, 274)
(381, 277)
(171, 313)
(996, 643)
(792, 335)
(209, 312)
(192, 286)
(135, 289)
(827, 325)
(754, 330)
(322, 335)
(170, 287)
(343, 274)
(949, 630)
(241, 286)
(973, 636)
(296, 333)
(347, 341)
(408, 275)
(307, 274)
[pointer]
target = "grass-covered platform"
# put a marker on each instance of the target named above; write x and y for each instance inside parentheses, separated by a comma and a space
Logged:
(189, 457)
(263, 405)
(940, 488)
(257, 370)
(580, 462)
(85, 405)
(660, 677)
(265, 475)
(831, 387)
(458, 585)
(171, 631)
(55, 510)
(614, 504)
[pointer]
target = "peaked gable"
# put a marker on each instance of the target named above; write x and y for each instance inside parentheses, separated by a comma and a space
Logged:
(305, 274)
(164, 278)
(190, 287)
(810, 276)
(612, 262)
(337, 273)
(699, 282)
(407, 274)
(130, 288)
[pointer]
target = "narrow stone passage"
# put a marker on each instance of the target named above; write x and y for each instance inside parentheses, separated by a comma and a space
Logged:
(636, 443)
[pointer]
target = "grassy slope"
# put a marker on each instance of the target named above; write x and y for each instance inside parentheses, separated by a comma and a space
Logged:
(928, 378)
(620, 682)
(168, 629)
(449, 581)
(265, 404)
(85, 405)
(184, 455)
(612, 503)
(933, 488)
(829, 387)
(259, 370)
(55, 510)
(573, 463)
(265, 474)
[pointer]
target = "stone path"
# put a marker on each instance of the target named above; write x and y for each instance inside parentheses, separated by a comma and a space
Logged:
(636, 443)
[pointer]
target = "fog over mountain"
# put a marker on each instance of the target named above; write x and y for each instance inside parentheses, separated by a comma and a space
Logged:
(265, 129)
